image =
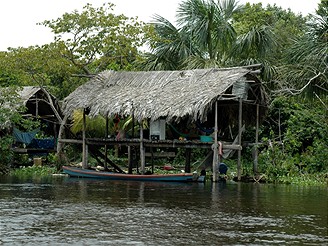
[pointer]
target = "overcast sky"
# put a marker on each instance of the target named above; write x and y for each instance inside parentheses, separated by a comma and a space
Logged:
(18, 18)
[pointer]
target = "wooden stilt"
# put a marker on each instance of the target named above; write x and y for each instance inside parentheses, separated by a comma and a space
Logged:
(55, 134)
(129, 159)
(142, 151)
(84, 146)
(188, 157)
(131, 149)
(152, 159)
(106, 149)
(60, 144)
(239, 137)
(255, 164)
(215, 146)
(36, 106)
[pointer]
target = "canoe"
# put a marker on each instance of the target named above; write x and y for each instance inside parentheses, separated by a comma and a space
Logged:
(90, 173)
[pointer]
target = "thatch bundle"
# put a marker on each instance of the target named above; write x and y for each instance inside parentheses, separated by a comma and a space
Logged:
(154, 94)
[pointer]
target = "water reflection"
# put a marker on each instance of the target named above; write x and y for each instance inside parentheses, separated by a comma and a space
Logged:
(65, 211)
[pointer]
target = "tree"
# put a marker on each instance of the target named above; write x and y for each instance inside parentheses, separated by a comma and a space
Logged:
(96, 39)
(169, 45)
(305, 67)
(85, 43)
(283, 23)
(206, 37)
(202, 39)
(38, 66)
(10, 109)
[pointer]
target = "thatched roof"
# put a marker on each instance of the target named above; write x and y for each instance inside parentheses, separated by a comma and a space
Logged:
(28, 92)
(14, 98)
(154, 94)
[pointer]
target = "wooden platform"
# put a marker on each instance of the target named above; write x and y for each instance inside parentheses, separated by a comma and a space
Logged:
(32, 151)
(151, 143)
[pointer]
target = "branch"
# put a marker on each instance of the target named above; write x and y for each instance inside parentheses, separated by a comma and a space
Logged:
(89, 76)
(321, 101)
(297, 92)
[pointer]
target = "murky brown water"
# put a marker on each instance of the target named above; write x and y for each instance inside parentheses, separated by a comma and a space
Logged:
(66, 211)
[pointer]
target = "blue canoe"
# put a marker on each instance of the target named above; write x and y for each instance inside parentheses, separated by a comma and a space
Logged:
(90, 173)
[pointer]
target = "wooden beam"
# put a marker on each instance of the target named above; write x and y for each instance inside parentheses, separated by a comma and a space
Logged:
(84, 146)
(106, 149)
(232, 146)
(71, 141)
(255, 163)
(96, 152)
(31, 150)
(50, 102)
(215, 146)
(131, 149)
(142, 151)
(60, 144)
(160, 154)
(36, 106)
(258, 71)
(239, 137)
(188, 158)
(147, 143)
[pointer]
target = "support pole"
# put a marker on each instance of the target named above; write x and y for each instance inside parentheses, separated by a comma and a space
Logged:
(60, 145)
(188, 158)
(255, 164)
(84, 146)
(142, 151)
(106, 149)
(239, 137)
(131, 149)
(215, 146)
(36, 106)
(129, 160)
(55, 134)
(152, 159)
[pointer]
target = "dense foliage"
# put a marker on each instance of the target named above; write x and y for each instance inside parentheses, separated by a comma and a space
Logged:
(294, 139)
(292, 49)
(11, 110)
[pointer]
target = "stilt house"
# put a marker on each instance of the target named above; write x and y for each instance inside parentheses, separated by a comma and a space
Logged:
(218, 103)
(43, 106)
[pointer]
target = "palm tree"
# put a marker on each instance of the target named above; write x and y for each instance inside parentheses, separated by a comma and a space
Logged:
(202, 37)
(306, 62)
(205, 37)
(208, 24)
(170, 47)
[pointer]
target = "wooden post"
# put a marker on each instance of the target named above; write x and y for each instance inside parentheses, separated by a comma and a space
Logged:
(131, 149)
(152, 159)
(142, 151)
(51, 104)
(239, 137)
(215, 146)
(60, 145)
(36, 106)
(55, 134)
(106, 150)
(129, 160)
(188, 157)
(84, 146)
(255, 164)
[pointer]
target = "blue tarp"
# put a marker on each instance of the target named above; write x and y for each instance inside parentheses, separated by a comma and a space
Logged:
(25, 137)
(46, 143)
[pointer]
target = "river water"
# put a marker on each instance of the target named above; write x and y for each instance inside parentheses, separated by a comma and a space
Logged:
(68, 211)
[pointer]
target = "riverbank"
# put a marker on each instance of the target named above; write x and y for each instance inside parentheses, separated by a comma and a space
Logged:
(319, 179)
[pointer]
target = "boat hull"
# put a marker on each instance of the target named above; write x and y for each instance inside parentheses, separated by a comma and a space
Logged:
(87, 173)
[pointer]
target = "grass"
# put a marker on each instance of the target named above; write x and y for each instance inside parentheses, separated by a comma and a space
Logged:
(33, 171)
